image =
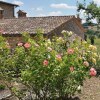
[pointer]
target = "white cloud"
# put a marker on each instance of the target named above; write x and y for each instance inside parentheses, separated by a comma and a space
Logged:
(18, 3)
(94, 20)
(54, 13)
(28, 15)
(62, 6)
(83, 21)
(83, 16)
(97, 2)
(38, 9)
(41, 15)
(2, 0)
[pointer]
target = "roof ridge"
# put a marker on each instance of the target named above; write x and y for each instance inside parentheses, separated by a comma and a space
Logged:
(52, 16)
(71, 16)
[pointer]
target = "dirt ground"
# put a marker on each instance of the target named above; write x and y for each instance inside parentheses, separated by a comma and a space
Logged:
(90, 90)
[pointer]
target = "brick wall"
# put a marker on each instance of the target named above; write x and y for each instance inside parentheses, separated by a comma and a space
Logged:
(8, 10)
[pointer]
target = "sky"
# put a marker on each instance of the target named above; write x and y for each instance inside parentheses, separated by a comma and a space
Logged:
(49, 7)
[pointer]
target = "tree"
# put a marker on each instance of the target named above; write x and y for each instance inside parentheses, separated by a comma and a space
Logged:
(92, 10)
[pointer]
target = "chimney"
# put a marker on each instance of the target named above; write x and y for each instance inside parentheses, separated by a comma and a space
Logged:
(21, 14)
(79, 19)
(1, 13)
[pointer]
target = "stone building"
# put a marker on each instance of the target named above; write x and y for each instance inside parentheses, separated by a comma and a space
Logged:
(12, 28)
(7, 10)
(21, 13)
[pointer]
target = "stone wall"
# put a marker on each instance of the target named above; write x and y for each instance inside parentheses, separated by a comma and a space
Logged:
(69, 26)
(14, 40)
(8, 10)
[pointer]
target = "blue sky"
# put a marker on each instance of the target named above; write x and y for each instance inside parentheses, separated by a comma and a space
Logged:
(48, 7)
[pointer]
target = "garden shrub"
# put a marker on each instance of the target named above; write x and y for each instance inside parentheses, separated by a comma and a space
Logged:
(49, 69)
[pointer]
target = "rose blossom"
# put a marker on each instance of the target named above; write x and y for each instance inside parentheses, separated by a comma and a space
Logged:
(92, 47)
(27, 45)
(71, 68)
(20, 44)
(64, 31)
(70, 33)
(45, 62)
(58, 57)
(93, 72)
(94, 60)
(70, 51)
(86, 63)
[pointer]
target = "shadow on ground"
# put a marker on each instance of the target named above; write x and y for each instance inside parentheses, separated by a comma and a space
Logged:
(75, 98)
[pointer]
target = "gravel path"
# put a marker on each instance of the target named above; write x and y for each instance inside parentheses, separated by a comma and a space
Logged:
(91, 89)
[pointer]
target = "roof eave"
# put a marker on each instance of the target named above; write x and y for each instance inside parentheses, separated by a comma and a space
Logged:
(9, 3)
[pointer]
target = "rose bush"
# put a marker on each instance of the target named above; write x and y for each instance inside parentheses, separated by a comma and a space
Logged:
(50, 69)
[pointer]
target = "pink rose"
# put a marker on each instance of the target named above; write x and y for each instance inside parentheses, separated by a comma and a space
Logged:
(45, 62)
(86, 63)
(20, 44)
(71, 68)
(27, 45)
(70, 51)
(93, 72)
(58, 57)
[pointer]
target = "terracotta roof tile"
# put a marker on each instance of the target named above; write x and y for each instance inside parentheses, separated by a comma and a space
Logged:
(31, 24)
